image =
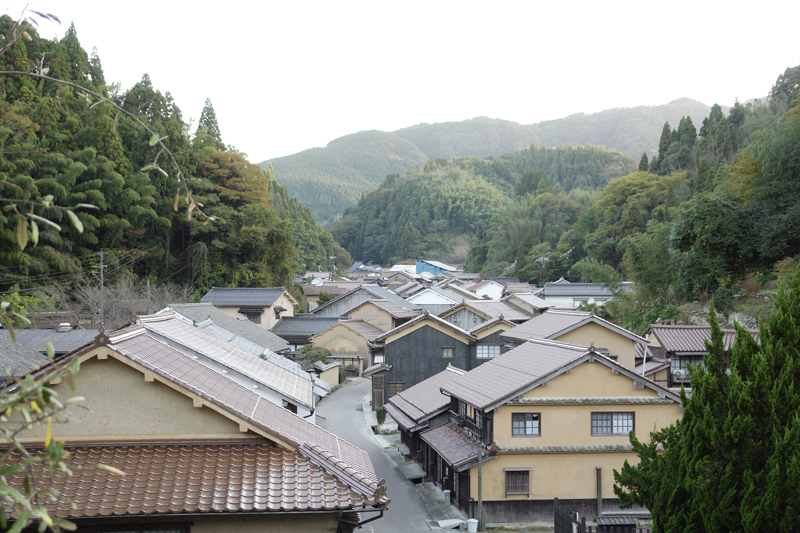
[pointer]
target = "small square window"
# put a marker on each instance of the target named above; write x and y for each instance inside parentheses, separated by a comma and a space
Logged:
(612, 423)
(448, 353)
(525, 425)
(518, 481)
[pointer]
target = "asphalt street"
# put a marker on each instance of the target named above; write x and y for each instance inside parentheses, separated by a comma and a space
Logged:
(345, 417)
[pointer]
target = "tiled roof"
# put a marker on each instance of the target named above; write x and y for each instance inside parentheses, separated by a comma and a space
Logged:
(453, 445)
(62, 341)
(512, 371)
(580, 289)
(302, 326)
(399, 417)
(532, 300)
(426, 316)
(202, 478)
(495, 308)
(394, 310)
(553, 324)
(490, 323)
(271, 420)
(17, 359)
(376, 292)
(179, 333)
(363, 328)
(517, 287)
(691, 338)
(425, 398)
(237, 327)
(243, 296)
(334, 288)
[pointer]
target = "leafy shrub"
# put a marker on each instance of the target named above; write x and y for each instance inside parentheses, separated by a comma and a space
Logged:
(380, 414)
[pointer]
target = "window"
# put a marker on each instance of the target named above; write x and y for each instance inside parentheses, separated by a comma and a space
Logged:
(448, 353)
(518, 481)
(578, 303)
(525, 425)
(394, 388)
(488, 351)
(612, 423)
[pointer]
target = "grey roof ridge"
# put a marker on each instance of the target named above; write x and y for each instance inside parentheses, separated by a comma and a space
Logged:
(420, 318)
(597, 320)
(566, 449)
(489, 323)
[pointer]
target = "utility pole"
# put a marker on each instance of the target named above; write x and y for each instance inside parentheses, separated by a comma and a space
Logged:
(102, 295)
(480, 486)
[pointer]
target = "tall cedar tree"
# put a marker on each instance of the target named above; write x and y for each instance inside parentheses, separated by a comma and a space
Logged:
(208, 122)
(732, 462)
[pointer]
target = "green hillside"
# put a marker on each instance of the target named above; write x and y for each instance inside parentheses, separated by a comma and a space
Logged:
(331, 179)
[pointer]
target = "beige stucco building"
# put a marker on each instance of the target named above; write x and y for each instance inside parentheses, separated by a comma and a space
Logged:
(200, 451)
(553, 420)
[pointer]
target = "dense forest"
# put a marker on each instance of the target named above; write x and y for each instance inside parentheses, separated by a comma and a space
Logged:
(713, 206)
(434, 210)
(81, 174)
(332, 178)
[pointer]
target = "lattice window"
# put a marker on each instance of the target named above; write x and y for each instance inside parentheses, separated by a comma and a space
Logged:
(394, 388)
(487, 351)
(612, 423)
(518, 481)
(448, 352)
(525, 425)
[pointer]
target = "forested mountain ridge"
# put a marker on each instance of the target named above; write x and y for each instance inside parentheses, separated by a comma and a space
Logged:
(435, 210)
(331, 179)
(63, 147)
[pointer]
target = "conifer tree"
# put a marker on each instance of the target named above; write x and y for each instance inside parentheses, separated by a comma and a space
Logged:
(644, 164)
(732, 462)
(208, 123)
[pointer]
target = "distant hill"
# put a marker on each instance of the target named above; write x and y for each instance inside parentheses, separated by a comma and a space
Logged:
(330, 179)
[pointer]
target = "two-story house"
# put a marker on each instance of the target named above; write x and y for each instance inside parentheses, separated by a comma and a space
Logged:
(546, 419)
(425, 346)
(263, 306)
(200, 450)
(580, 327)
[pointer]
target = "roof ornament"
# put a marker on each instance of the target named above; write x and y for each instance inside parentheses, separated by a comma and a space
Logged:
(591, 348)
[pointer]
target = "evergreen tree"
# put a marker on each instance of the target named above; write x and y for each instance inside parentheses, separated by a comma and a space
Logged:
(208, 123)
(644, 165)
(731, 463)
(666, 140)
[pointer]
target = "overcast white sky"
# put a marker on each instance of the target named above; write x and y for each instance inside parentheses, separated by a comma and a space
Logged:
(285, 76)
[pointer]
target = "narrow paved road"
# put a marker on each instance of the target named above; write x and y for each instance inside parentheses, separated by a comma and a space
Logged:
(345, 418)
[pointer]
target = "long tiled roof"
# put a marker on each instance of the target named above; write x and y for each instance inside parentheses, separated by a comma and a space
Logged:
(512, 371)
(198, 478)
(237, 327)
(553, 324)
(302, 326)
(376, 291)
(62, 341)
(243, 296)
(17, 359)
(391, 308)
(691, 338)
(425, 398)
(179, 333)
(271, 420)
(495, 308)
(579, 289)
(363, 328)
